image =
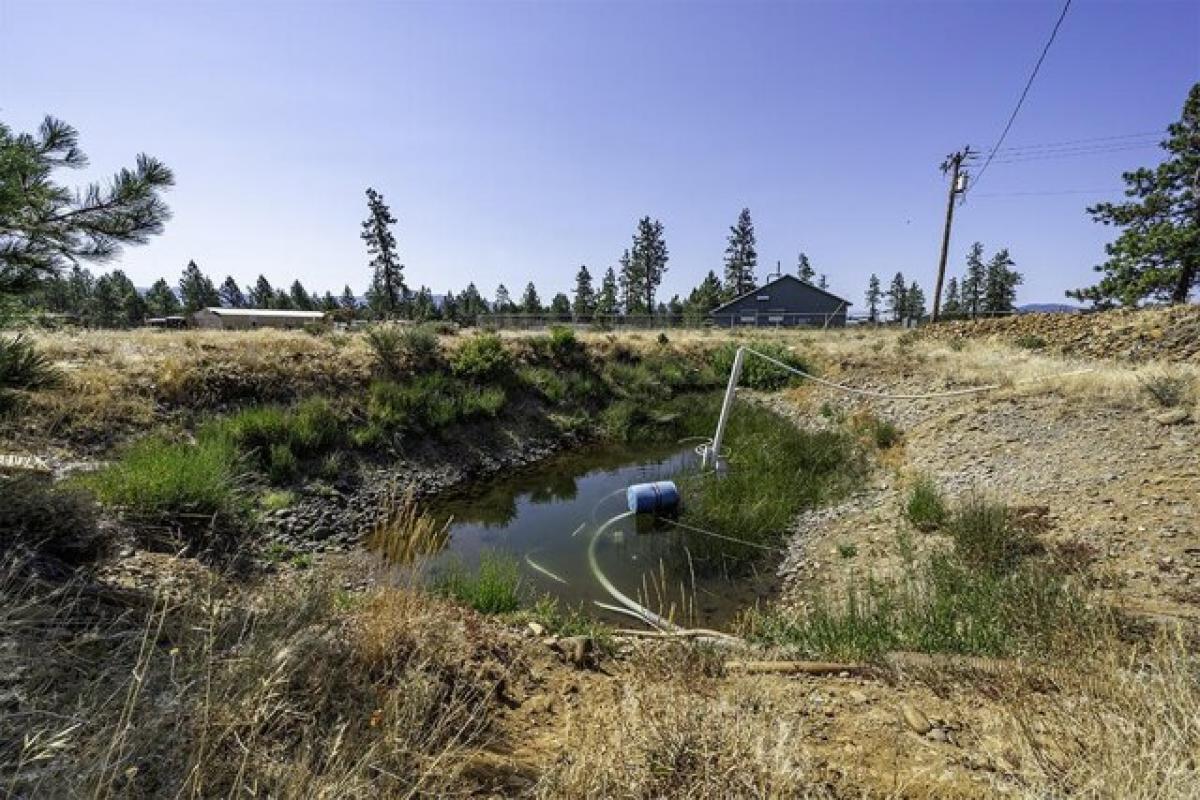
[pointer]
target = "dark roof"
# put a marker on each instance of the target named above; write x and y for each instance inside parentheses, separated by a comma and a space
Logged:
(772, 283)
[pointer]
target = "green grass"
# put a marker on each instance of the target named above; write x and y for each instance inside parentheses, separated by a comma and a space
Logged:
(158, 475)
(757, 373)
(987, 537)
(494, 587)
(427, 403)
(278, 439)
(775, 470)
(989, 596)
(944, 606)
(924, 506)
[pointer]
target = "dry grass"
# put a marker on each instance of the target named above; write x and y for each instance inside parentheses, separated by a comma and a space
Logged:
(291, 693)
(403, 533)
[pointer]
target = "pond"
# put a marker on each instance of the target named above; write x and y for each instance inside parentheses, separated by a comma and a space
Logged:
(546, 517)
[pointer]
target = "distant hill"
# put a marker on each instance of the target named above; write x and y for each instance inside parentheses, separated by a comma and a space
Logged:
(1048, 308)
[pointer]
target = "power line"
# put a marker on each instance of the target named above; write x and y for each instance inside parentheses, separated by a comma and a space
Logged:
(1054, 156)
(1029, 83)
(1071, 143)
(1048, 193)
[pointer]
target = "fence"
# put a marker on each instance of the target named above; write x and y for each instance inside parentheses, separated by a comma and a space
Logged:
(681, 321)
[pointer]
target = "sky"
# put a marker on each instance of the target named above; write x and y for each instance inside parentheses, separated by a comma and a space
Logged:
(517, 141)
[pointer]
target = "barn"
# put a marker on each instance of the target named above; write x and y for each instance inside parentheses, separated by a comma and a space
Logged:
(785, 301)
(240, 319)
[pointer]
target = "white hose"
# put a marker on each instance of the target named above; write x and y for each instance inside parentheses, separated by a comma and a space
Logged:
(646, 615)
(533, 564)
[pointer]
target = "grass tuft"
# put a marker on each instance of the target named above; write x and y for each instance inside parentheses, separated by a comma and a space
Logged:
(925, 507)
(494, 587)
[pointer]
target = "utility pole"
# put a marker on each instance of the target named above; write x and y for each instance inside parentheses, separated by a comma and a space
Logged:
(958, 185)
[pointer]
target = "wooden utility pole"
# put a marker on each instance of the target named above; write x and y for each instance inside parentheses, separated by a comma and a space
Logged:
(953, 166)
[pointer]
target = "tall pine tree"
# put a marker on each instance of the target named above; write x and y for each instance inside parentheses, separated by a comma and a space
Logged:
(607, 299)
(804, 269)
(584, 304)
(897, 297)
(874, 295)
(387, 283)
(647, 262)
(231, 294)
(974, 281)
(161, 300)
(530, 302)
(741, 256)
(951, 303)
(1000, 284)
(196, 289)
(1157, 254)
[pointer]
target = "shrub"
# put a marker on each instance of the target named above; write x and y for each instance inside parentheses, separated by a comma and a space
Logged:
(847, 550)
(23, 367)
(925, 508)
(278, 438)
(426, 403)
(482, 358)
(48, 519)
(1167, 389)
(549, 383)
(442, 327)
(757, 373)
(986, 537)
(157, 475)
(565, 349)
(397, 349)
(882, 433)
(494, 587)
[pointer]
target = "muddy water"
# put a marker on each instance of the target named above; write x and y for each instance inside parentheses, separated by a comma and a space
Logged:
(545, 519)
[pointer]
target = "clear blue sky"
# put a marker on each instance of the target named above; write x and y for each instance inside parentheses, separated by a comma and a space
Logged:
(516, 141)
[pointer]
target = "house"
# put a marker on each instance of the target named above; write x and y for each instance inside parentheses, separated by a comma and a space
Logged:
(785, 301)
(238, 319)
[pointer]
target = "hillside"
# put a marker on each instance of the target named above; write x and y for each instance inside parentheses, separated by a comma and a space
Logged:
(999, 601)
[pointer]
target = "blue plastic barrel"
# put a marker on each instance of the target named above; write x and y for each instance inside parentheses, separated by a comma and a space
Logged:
(660, 497)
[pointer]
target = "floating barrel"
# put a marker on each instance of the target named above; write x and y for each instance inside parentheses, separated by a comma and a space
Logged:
(660, 497)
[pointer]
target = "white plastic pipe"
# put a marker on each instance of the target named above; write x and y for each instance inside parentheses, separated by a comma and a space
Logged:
(714, 450)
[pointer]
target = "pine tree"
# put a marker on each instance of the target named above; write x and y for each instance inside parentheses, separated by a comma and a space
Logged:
(301, 301)
(115, 302)
(1000, 284)
(388, 280)
(704, 298)
(503, 304)
(804, 270)
(423, 307)
(823, 282)
(974, 281)
(951, 305)
(629, 303)
(1157, 254)
(473, 304)
(874, 294)
(741, 256)
(196, 289)
(161, 300)
(647, 261)
(914, 302)
(606, 300)
(530, 302)
(897, 297)
(45, 226)
(231, 294)
(281, 300)
(348, 304)
(261, 294)
(451, 309)
(329, 303)
(560, 307)
(584, 304)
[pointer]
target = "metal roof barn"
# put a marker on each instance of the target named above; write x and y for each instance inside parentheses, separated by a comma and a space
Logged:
(785, 301)
(240, 319)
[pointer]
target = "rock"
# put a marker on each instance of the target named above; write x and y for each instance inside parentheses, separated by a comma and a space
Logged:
(938, 735)
(858, 697)
(536, 628)
(1172, 417)
(915, 719)
(578, 649)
